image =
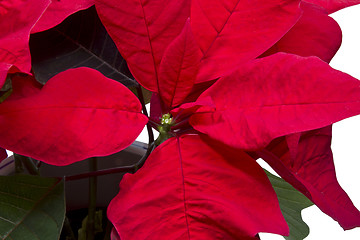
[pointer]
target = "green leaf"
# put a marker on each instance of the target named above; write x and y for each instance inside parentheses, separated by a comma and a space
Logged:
(31, 207)
(79, 41)
(292, 202)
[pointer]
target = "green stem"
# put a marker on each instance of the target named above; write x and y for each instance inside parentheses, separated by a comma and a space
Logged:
(90, 229)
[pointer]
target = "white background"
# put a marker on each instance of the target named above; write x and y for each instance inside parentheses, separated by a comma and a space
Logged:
(346, 138)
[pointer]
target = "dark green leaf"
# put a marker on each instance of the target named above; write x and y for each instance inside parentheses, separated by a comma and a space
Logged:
(81, 40)
(31, 207)
(292, 202)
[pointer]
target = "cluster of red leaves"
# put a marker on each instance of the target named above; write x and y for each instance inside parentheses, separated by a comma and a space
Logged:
(242, 79)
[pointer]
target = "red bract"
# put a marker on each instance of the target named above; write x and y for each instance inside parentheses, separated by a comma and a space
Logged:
(194, 188)
(232, 32)
(320, 36)
(252, 102)
(297, 94)
(17, 18)
(315, 34)
(234, 122)
(178, 68)
(79, 113)
(334, 5)
(311, 170)
(58, 11)
(142, 30)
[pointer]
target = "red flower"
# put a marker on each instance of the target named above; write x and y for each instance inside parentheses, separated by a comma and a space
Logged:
(180, 192)
(201, 183)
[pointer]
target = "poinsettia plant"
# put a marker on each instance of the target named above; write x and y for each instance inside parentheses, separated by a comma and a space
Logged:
(231, 81)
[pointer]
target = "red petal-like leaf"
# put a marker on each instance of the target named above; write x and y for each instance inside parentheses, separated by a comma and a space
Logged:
(231, 32)
(142, 30)
(334, 5)
(156, 108)
(315, 34)
(312, 171)
(194, 188)
(276, 96)
(198, 89)
(17, 18)
(78, 114)
(24, 86)
(187, 109)
(58, 11)
(178, 68)
(292, 140)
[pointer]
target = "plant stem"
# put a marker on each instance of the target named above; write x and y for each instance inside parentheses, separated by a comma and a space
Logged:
(90, 228)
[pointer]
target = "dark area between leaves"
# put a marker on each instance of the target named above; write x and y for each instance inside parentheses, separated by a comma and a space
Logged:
(79, 41)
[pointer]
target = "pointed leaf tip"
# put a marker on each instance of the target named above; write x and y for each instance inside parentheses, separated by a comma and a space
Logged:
(142, 32)
(179, 67)
(312, 171)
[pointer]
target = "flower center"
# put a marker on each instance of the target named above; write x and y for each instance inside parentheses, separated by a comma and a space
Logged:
(164, 128)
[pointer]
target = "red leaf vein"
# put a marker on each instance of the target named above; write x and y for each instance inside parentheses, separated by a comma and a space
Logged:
(183, 182)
